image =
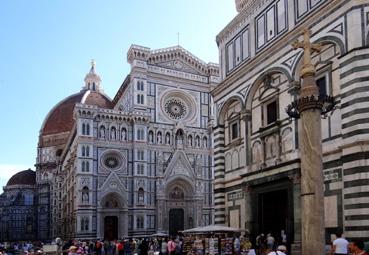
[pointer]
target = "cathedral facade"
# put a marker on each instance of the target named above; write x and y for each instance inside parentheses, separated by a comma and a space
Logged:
(256, 149)
(135, 164)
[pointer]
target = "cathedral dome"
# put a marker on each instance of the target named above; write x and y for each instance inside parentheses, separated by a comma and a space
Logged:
(60, 118)
(26, 177)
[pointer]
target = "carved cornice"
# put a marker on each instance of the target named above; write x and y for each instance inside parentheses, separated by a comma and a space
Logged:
(114, 115)
(249, 7)
(153, 57)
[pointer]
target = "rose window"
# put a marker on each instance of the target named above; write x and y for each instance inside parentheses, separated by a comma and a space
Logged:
(175, 108)
(111, 162)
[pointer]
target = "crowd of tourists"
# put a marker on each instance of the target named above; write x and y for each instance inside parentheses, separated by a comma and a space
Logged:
(131, 246)
(263, 245)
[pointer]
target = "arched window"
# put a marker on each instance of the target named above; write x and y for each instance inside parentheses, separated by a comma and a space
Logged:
(140, 85)
(83, 129)
(113, 133)
(85, 195)
(140, 99)
(140, 169)
(140, 222)
(124, 134)
(141, 194)
(84, 224)
(28, 199)
(93, 86)
(87, 129)
(85, 166)
(140, 134)
(102, 132)
(85, 151)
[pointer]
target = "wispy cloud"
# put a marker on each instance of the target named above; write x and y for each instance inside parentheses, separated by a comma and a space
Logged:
(7, 171)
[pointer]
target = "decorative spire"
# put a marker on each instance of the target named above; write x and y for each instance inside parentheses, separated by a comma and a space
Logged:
(93, 64)
(92, 79)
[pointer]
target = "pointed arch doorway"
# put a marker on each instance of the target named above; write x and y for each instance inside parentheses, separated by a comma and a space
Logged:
(176, 221)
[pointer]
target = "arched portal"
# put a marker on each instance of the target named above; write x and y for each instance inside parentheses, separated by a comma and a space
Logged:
(112, 217)
(180, 205)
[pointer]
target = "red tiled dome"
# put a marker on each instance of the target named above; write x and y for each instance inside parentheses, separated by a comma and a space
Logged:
(26, 177)
(60, 118)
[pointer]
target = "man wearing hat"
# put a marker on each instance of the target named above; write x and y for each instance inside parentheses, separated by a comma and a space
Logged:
(281, 250)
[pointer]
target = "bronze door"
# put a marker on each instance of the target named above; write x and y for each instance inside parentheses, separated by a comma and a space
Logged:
(176, 221)
(111, 228)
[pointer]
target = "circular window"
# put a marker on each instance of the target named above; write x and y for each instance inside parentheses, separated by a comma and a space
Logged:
(178, 106)
(112, 160)
(175, 108)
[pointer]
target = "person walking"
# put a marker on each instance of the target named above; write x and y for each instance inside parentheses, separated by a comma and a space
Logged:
(172, 246)
(340, 245)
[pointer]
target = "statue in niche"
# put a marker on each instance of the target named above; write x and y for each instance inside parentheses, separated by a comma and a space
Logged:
(151, 138)
(124, 134)
(102, 132)
(287, 140)
(158, 138)
(197, 141)
(256, 153)
(205, 142)
(112, 135)
(85, 197)
(140, 196)
(179, 139)
(190, 141)
(167, 138)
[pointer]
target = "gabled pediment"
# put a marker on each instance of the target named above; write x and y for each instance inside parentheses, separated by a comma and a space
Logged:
(179, 166)
(179, 65)
(113, 183)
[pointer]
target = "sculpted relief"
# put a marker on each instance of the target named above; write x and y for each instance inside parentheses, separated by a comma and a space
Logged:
(287, 142)
(257, 153)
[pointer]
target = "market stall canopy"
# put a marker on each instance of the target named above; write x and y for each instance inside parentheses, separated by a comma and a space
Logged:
(211, 228)
(159, 234)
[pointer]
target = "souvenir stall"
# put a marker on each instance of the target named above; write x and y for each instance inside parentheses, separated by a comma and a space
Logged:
(210, 240)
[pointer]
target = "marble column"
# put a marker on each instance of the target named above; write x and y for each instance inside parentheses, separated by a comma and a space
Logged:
(296, 245)
(248, 208)
(310, 139)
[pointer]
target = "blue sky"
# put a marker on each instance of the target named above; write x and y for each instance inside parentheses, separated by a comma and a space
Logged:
(46, 48)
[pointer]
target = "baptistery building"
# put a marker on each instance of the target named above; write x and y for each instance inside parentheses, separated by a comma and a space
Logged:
(256, 146)
(134, 164)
